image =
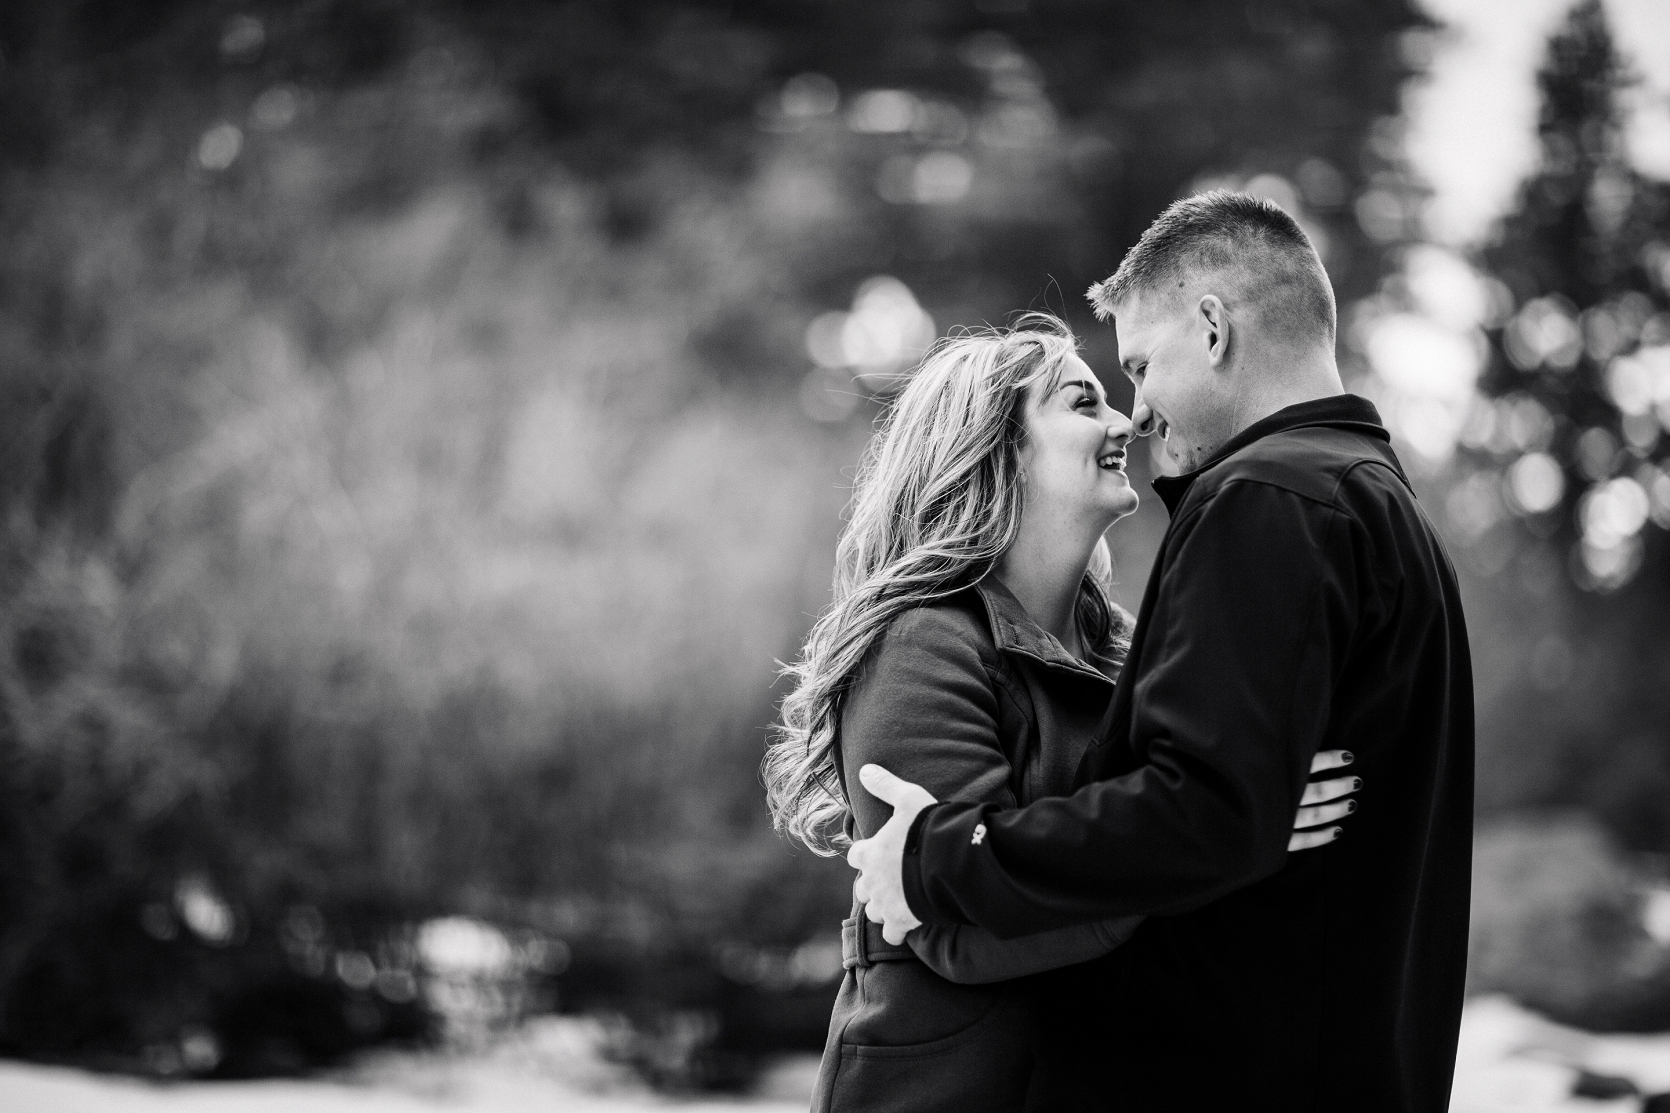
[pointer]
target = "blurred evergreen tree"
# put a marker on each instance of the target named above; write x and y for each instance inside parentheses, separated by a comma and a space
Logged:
(1585, 254)
(1579, 375)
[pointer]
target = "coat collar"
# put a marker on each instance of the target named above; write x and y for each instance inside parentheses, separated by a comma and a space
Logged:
(1349, 411)
(1014, 631)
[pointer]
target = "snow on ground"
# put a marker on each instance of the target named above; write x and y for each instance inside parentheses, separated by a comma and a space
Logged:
(1509, 1061)
(549, 1066)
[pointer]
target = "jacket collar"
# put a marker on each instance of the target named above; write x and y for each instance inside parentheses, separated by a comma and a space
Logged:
(1347, 411)
(1014, 631)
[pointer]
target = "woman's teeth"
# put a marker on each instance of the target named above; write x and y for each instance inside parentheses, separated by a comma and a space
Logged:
(1114, 460)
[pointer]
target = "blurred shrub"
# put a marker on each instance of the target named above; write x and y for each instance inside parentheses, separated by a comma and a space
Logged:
(372, 552)
(1557, 923)
(408, 478)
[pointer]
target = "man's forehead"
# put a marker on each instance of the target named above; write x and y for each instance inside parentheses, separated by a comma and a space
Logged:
(1130, 324)
(1145, 304)
(1139, 314)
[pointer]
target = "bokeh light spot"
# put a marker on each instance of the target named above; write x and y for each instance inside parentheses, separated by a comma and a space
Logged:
(356, 969)
(1323, 185)
(1475, 504)
(941, 177)
(1535, 483)
(242, 38)
(1276, 189)
(1657, 486)
(220, 146)
(276, 107)
(1447, 289)
(823, 340)
(462, 945)
(1613, 512)
(886, 331)
(1604, 568)
(1380, 215)
(1528, 424)
(203, 910)
(1544, 333)
(882, 112)
(1421, 357)
(809, 95)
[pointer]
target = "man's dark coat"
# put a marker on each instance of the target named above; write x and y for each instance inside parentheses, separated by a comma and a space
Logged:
(1300, 601)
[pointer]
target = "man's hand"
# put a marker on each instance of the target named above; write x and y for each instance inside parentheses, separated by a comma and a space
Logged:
(880, 887)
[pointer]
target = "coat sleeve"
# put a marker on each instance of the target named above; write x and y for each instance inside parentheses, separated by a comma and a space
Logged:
(1256, 607)
(924, 708)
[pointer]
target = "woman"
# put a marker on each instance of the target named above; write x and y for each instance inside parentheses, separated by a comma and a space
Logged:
(971, 648)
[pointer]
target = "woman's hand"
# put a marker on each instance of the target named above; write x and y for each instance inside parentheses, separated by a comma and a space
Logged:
(1315, 810)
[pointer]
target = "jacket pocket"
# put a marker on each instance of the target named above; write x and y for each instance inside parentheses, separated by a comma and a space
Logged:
(982, 1065)
(905, 1003)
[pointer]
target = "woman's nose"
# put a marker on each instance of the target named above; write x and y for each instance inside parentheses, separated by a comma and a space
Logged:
(1119, 427)
(1142, 418)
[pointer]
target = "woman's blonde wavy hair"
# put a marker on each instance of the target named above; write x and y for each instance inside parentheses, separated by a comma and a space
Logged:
(937, 500)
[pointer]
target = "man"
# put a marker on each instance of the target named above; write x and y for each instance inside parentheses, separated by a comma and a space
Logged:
(1300, 601)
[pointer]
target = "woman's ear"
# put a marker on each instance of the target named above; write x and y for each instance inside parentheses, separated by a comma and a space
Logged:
(1214, 323)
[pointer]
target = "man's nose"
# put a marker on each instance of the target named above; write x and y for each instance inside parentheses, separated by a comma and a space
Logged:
(1142, 418)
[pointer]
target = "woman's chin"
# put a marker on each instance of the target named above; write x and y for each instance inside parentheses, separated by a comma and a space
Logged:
(1117, 485)
(1118, 504)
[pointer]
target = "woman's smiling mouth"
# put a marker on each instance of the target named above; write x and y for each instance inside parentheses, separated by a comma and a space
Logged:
(1113, 461)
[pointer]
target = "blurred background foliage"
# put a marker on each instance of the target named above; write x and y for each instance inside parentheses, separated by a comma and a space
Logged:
(1558, 505)
(425, 424)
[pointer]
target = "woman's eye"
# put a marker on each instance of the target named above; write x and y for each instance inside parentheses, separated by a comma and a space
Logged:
(1084, 400)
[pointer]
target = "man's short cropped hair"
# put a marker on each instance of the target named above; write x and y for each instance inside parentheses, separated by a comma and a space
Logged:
(1267, 253)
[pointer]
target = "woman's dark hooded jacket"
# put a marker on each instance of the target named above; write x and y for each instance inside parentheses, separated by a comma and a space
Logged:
(971, 699)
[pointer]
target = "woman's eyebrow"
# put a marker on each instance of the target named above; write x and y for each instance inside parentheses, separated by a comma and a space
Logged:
(1083, 384)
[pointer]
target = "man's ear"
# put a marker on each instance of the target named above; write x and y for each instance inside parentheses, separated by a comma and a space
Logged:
(1214, 325)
